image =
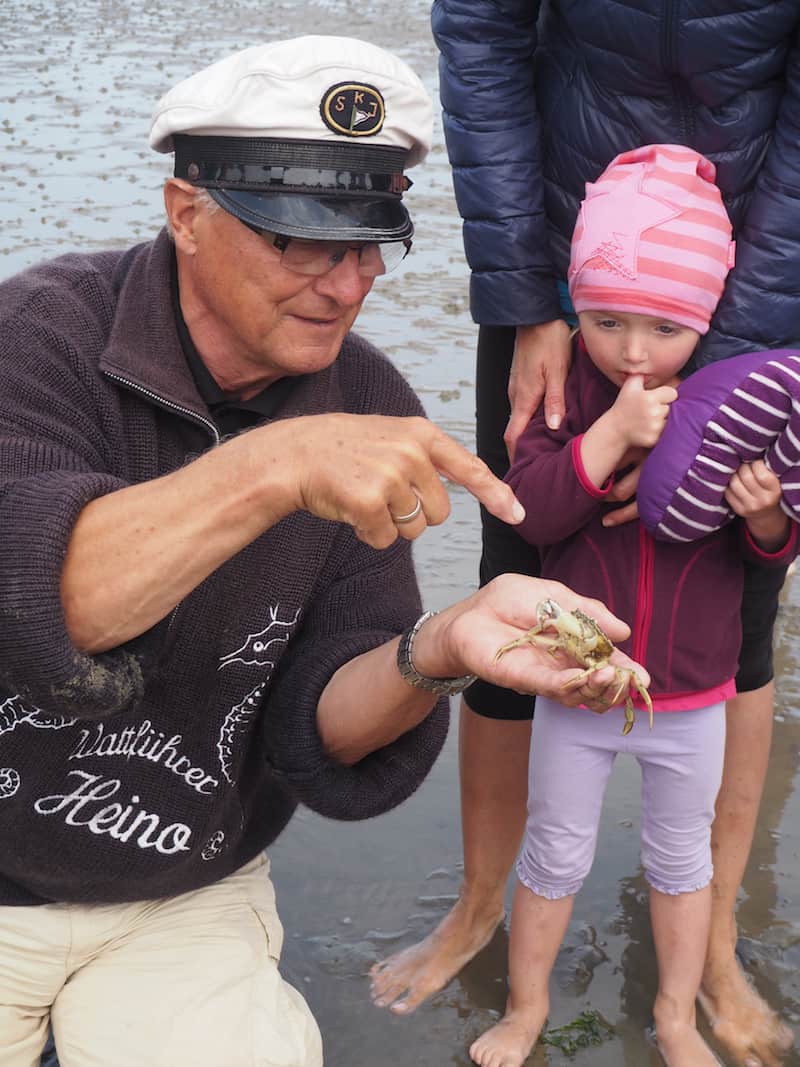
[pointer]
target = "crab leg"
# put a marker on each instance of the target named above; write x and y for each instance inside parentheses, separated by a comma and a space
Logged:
(636, 682)
(629, 717)
(532, 637)
(620, 677)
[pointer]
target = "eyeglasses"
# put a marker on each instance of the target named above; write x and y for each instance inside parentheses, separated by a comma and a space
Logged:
(315, 258)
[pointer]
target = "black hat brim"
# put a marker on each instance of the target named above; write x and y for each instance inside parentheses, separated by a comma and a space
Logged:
(334, 218)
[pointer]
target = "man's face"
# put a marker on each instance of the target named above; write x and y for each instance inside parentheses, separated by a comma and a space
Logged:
(252, 319)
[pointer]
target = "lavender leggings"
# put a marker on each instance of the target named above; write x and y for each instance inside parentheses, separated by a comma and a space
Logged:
(572, 753)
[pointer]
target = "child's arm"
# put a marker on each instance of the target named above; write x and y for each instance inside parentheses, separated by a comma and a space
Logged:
(561, 480)
(636, 419)
(547, 474)
(754, 494)
(545, 481)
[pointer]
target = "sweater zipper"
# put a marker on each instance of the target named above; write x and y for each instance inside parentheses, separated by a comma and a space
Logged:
(669, 39)
(160, 401)
(168, 404)
(643, 615)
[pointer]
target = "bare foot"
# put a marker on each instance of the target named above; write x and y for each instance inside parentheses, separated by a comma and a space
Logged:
(508, 1043)
(680, 1045)
(406, 979)
(741, 1021)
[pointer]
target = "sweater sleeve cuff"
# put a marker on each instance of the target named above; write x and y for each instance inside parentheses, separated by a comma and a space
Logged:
(585, 481)
(378, 782)
(783, 555)
(36, 654)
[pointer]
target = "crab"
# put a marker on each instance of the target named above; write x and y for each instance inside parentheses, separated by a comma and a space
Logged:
(579, 636)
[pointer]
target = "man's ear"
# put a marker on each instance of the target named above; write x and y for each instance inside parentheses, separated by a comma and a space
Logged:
(183, 210)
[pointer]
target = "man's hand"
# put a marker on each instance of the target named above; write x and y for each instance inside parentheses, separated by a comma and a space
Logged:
(754, 493)
(465, 639)
(538, 371)
(370, 470)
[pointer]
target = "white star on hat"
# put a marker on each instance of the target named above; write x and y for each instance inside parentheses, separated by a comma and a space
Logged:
(630, 215)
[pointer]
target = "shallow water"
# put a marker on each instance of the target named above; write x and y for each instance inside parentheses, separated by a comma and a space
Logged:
(77, 83)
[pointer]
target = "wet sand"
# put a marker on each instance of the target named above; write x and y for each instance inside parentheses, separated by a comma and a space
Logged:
(77, 85)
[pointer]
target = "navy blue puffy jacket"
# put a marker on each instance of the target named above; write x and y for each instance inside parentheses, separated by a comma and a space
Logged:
(539, 97)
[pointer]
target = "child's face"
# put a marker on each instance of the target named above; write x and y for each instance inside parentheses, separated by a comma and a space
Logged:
(622, 343)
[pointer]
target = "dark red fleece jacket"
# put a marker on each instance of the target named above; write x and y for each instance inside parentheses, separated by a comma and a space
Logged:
(682, 601)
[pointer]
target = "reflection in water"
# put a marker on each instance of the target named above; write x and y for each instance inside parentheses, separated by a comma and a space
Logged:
(79, 78)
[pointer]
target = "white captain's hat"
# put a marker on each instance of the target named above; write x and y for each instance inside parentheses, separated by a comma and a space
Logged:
(308, 137)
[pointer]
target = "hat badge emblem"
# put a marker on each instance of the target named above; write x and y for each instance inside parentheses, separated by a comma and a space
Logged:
(353, 109)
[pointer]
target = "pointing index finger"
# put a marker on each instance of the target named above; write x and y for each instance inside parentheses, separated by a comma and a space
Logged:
(462, 467)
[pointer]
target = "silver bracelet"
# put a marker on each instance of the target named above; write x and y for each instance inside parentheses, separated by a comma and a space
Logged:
(410, 674)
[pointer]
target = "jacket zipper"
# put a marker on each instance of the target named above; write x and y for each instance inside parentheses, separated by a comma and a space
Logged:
(168, 404)
(669, 51)
(160, 401)
(643, 615)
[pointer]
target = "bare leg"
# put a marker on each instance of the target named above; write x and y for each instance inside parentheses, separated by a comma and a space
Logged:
(493, 756)
(680, 931)
(741, 1020)
(538, 926)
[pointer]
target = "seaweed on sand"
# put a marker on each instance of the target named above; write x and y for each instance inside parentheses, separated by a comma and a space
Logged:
(588, 1028)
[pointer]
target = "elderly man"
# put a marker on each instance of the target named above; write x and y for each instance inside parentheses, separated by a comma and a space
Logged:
(209, 490)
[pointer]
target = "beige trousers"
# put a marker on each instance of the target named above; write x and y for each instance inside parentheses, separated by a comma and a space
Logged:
(191, 981)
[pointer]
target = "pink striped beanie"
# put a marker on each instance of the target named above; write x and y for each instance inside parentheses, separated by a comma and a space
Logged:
(653, 237)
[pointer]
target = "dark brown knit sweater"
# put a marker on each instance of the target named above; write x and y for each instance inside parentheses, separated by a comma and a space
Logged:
(164, 764)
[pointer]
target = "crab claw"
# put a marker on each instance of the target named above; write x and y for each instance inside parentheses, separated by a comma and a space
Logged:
(641, 689)
(635, 683)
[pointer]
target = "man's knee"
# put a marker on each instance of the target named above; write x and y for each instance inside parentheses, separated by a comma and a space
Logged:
(305, 1035)
(22, 1036)
(263, 1022)
(192, 979)
(35, 942)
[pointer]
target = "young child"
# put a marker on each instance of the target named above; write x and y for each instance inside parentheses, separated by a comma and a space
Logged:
(650, 254)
